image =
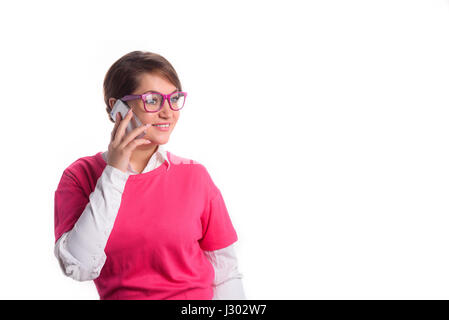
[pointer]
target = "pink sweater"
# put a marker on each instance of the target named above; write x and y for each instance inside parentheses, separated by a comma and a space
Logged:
(165, 220)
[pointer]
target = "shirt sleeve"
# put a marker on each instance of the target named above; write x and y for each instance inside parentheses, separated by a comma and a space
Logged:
(217, 228)
(227, 283)
(71, 266)
(83, 224)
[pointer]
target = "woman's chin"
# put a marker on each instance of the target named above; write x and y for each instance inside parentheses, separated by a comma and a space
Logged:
(157, 140)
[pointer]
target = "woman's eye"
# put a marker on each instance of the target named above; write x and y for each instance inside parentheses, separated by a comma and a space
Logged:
(151, 101)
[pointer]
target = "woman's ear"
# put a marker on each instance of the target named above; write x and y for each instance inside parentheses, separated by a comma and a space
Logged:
(112, 102)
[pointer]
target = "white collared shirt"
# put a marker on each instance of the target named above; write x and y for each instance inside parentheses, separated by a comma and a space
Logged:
(80, 251)
(155, 161)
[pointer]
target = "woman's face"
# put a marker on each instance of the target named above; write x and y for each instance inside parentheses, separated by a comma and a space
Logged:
(149, 82)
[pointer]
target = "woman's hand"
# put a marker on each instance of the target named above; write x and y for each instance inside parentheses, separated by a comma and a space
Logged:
(120, 148)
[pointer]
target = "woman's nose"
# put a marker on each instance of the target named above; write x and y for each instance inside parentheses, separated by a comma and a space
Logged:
(165, 110)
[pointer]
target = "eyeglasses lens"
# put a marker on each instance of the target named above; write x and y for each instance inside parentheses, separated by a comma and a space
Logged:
(153, 101)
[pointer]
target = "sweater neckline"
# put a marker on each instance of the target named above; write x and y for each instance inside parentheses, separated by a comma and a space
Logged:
(158, 170)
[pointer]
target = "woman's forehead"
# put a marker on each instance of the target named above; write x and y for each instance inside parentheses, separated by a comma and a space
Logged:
(155, 82)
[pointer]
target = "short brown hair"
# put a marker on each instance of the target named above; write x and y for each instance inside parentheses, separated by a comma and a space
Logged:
(122, 77)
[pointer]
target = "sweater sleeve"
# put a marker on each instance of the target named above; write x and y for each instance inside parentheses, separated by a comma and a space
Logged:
(83, 224)
(218, 231)
(227, 283)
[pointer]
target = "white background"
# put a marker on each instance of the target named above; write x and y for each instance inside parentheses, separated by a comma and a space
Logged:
(323, 123)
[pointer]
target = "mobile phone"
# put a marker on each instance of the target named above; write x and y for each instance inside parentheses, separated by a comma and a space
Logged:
(122, 108)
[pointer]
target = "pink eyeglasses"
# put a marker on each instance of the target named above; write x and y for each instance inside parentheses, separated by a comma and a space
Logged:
(153, 100)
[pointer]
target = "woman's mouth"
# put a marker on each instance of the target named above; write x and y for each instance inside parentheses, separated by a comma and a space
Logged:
(162, 126)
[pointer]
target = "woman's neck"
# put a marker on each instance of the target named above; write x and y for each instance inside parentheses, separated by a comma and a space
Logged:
(141, 155)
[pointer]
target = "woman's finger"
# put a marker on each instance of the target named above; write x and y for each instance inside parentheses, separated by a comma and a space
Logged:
(135, 143)
(133, 134)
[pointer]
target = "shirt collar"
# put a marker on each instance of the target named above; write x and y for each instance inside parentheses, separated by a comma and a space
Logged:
(161, 153)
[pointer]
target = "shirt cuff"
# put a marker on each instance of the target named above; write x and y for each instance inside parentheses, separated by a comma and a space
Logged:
(115, 177)
(229, 290)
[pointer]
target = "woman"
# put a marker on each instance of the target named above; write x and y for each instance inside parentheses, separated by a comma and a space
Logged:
(140, 221)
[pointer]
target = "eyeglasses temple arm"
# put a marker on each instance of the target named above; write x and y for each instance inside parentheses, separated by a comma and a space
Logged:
(130, 97)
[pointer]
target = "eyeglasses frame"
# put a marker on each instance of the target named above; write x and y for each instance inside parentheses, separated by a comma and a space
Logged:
(164, 97)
